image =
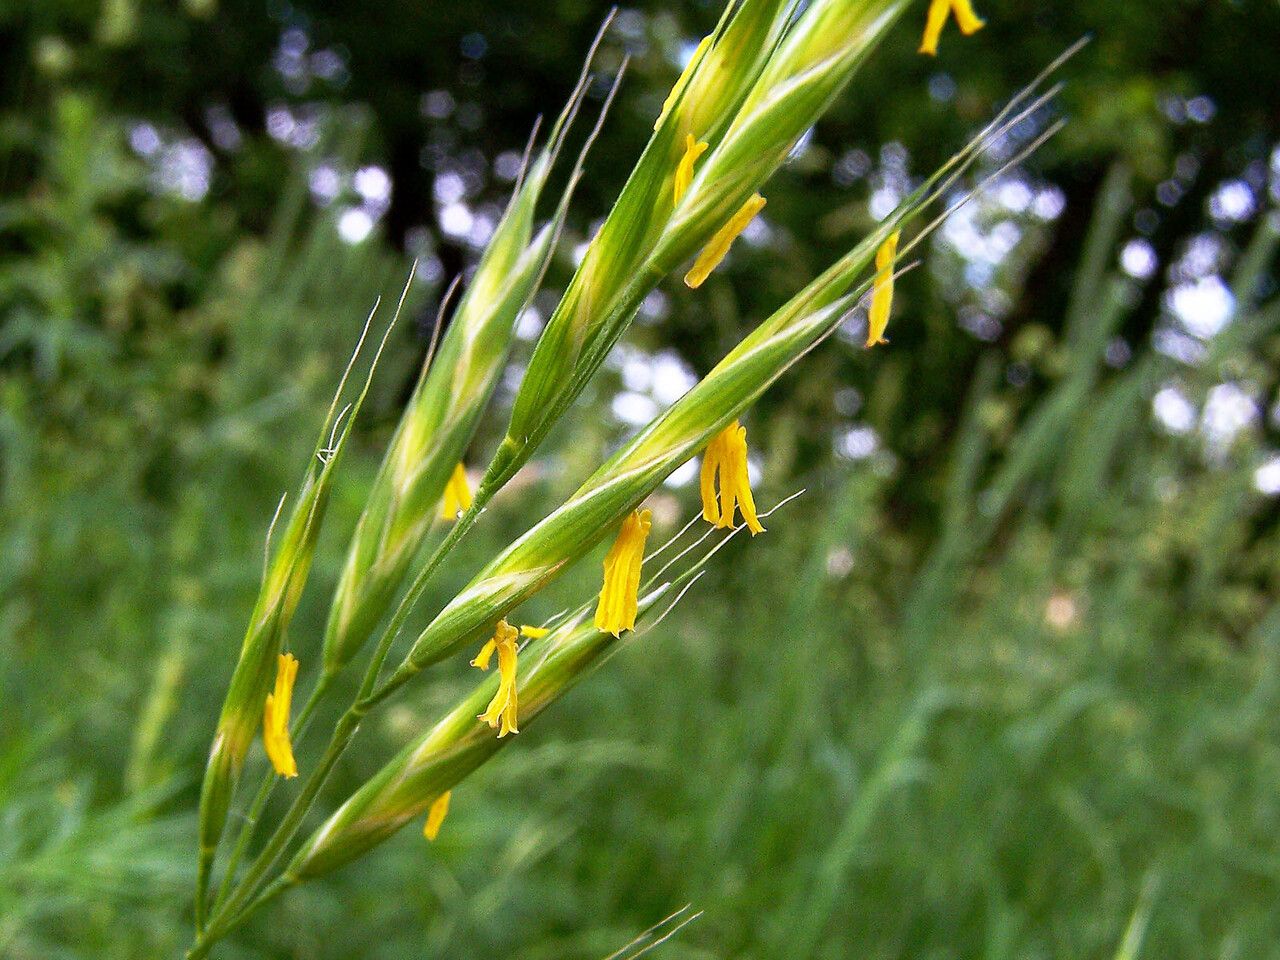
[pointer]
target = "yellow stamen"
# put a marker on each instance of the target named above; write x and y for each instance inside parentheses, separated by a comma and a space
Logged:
(718, 246)
(275, 718)
(534, 633)
(485, 655)
(617, 608)
(882, 290)
(502, 708)
(685, 76)
(435, 816)
(693, 149)
(727, 455)
(966, 19)
(457, 494)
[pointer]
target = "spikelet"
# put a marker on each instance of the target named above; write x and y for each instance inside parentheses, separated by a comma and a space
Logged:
(421, 465)
(750, 93)
(284, 575)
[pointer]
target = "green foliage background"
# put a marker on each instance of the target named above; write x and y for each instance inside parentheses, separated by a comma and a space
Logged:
(1003, 685)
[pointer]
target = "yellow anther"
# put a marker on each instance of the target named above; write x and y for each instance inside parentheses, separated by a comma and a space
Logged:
(275, 718)
(718, 246)
(501, 713)
(457, 494)
(882, 290)
(693, 149)
(726, 454)
(435, 816)
(966, 19)
(619, 595)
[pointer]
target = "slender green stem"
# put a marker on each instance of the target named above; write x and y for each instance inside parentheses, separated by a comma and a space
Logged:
(245, 837)
(484, 493)
(371, 694)
(204, 869)
(206, 941)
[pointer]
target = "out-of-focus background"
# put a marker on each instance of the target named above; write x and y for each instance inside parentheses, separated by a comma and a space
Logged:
(1004, 682)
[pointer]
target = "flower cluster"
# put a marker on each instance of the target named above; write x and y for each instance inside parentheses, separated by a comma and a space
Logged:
(752, 88)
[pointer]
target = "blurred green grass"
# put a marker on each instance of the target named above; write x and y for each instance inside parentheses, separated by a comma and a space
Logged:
(1038, 721)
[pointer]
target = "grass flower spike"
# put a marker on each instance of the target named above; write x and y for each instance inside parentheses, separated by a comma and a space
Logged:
(284, 576)
(789, 67)
(616, 610)
(717, 247)
(726, 455)
(457, 494)
(421, 465)
(275, 718)
(882, 290)
(435, 815)
(968, 22)
(501, 714)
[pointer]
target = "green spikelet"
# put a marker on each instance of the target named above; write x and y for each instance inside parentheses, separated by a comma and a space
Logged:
(675, 436)
(440, 419)
(758, 85)
(454, 747)
(283, 581)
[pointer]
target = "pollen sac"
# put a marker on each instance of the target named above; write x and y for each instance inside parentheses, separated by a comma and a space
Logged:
(457, 494)
(502, 711)
(717, 247)
(882, 290)
(618, 604)
(435, 816)
(693, 149)
(275, 718)
(966, 19)
(726, 455)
